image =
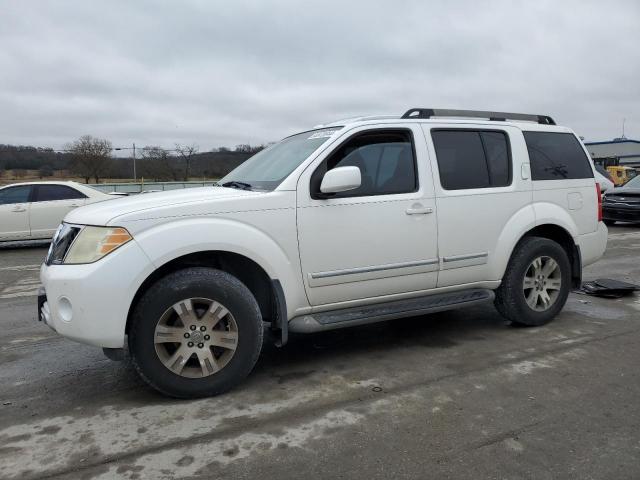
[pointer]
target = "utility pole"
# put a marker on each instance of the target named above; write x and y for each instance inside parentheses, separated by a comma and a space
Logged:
(134, 163)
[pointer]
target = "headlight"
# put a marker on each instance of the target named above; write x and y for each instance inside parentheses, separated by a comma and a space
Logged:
(62, 240)
(93, 243)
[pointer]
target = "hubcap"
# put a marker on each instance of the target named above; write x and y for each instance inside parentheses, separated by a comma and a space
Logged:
(196, 337)
(542, 282)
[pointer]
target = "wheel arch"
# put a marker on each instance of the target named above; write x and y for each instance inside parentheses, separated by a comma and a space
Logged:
(562, 237)
(234, 244)
(267, 292)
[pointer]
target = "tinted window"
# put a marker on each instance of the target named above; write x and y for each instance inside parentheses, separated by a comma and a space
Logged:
(385, 159)
(498, 159)
(46, 193)
(15, 194)
(472, 158)
(556, 156)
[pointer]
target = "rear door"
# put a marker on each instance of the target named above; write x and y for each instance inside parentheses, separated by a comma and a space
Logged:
(50, 205)
(479, 189)
(14, 212)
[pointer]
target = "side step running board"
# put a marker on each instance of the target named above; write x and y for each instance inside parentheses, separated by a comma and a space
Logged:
(348, 317)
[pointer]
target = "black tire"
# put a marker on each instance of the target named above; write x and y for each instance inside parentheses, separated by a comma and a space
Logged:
(609, 223)
(510, 296)
(196, 282)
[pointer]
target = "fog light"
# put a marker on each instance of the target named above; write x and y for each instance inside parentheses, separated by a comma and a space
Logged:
(64, 309)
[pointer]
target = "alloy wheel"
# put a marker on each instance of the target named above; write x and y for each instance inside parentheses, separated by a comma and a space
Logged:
(542, 283)
(196, 337)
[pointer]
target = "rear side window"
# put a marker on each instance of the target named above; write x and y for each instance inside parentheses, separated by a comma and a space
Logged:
(47, 193)
(15, 195)
(556, 156)
(472, 158)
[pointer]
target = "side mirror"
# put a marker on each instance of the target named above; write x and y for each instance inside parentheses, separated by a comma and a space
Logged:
(341, 179)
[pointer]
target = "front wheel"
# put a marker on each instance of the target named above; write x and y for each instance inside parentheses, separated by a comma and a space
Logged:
(196, 332)
(536, 283)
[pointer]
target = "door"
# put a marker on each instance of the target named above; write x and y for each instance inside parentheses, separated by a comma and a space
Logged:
(50, 205)
(14, 212)
(479, 189)
(379, 239)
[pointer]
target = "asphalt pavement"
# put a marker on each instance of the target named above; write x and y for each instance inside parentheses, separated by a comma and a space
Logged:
(450, 395)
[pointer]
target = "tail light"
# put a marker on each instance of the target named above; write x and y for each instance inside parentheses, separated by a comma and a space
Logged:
(599, 195)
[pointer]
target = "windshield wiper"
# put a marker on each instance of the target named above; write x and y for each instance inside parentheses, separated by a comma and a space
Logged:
(238, 185)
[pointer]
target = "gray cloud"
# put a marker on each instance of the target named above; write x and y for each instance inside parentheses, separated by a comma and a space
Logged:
(222, 73)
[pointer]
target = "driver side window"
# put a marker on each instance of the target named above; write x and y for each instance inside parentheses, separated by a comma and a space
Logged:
(386, 161)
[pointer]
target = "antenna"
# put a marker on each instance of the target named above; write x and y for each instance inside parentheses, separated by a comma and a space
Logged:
(623, 122)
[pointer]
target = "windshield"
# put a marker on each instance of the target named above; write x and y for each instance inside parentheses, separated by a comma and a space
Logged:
(633, 183)
(269, 167)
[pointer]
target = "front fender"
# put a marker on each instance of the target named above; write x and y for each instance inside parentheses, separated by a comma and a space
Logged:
(277, 256)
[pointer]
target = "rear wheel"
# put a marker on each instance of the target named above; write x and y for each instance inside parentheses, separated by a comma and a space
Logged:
(536, 283)
(196, 332)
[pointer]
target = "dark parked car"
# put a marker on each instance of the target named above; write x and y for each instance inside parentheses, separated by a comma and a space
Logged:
(623, 203)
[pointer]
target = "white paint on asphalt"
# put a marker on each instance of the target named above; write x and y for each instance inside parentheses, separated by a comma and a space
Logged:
(26, 287)
(57, 443)
(624, 236)
(29, 339)
(195, 459)
(20, 268)
(513, 445)
(526, 367)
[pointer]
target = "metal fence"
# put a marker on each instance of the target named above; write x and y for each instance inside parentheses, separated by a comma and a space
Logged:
(148, 186)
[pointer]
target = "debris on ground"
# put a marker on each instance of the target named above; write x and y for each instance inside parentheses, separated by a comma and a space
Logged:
(608, 288)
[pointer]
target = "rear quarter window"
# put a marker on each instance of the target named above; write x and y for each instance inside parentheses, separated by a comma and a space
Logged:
(556, 156)
(47, 193)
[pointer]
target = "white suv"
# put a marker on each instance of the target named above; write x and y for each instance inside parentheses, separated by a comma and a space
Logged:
(354, 222)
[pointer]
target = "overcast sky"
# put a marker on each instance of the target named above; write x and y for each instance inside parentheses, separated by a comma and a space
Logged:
(230, 72)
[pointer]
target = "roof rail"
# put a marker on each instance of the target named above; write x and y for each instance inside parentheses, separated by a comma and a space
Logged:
(493, 116)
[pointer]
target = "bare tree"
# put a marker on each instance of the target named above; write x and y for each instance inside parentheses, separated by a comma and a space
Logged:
(246, 148)
(158, 165)
(186, 152)
(243, 148)
(91, 157)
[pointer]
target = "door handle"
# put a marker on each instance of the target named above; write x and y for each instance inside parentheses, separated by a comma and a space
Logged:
(73, 205)
(19, 209)
(418, 210)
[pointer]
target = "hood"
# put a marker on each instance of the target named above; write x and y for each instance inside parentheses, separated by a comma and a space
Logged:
(160, 204)
(622, 191)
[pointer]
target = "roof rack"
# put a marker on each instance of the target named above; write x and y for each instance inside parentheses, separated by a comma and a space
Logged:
(493, 116)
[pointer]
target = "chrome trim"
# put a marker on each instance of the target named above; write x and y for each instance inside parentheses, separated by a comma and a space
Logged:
(457, 258)
(378, 268)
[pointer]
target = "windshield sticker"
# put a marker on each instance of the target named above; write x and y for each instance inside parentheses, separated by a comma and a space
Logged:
(322, 134)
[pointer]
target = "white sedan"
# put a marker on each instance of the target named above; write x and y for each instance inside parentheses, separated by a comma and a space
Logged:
(30, 211)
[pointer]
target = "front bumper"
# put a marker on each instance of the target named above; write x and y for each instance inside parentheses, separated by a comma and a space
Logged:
(621, 214)
(90, 303)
